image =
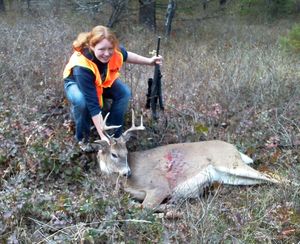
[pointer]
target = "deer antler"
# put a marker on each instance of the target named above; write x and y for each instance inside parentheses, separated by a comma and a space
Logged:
(106, 127)
(133, 127)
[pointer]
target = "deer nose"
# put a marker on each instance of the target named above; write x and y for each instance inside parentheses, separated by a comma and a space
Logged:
(127, 174)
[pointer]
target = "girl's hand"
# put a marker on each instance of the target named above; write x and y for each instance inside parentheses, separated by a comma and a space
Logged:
(105, 138)
(99, 124)
(156, 60)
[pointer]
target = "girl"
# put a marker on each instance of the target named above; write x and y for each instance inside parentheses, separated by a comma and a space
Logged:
(92, 74)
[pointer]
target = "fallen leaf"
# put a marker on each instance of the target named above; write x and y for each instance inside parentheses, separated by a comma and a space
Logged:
(288, 231)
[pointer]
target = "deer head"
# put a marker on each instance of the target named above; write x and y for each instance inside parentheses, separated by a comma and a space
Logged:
(112, 157)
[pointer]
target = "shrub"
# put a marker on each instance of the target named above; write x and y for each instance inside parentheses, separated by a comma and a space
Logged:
(291, 42)
(271, 8)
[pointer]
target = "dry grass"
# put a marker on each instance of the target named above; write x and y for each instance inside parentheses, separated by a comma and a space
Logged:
(227, 80)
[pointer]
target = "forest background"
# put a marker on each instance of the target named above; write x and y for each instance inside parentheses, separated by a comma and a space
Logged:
(230, 72)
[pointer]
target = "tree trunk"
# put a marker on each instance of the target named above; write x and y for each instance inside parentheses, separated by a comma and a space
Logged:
(28, 4)
(2, 6)
(169, 16)
(147, 14)
(118, 7)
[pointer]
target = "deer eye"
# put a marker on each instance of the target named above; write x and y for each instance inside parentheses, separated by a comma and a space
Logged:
(114, 155)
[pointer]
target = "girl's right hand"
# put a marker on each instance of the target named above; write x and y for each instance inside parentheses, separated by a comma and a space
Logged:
(105, 138)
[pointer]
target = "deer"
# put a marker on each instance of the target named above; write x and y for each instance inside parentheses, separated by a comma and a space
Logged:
(174, 171)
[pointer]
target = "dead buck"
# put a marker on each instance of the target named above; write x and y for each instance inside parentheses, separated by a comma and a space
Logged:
(177, 170)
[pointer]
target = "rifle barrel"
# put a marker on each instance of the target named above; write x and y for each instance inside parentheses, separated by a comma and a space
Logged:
(158, 46)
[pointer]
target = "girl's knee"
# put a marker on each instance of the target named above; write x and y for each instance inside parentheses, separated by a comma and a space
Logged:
(127, 93)
(79, 104)
(121, 90)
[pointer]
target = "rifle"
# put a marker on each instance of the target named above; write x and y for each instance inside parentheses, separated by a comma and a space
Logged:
(154, 88)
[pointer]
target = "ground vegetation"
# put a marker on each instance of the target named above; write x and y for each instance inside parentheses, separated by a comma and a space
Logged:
(227, 77)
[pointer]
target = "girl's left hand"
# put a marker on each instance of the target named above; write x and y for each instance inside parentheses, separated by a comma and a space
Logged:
(157, 60)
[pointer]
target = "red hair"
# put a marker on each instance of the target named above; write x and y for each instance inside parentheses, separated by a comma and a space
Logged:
(90, 39)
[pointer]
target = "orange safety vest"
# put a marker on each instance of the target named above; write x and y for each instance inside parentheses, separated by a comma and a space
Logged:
(113, 67)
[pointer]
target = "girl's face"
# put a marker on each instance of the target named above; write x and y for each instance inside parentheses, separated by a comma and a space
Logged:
(103, 50)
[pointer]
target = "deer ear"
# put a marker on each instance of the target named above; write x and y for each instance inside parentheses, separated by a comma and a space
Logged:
(100, 145)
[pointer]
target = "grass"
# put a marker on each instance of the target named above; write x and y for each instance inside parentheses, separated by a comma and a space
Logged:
(225, 79)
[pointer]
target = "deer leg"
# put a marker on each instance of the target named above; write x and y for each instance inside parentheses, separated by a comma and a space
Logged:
(154, 198)
(136, 194)
(241, 174)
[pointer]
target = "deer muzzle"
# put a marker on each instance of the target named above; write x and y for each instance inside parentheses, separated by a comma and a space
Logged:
(126, 172)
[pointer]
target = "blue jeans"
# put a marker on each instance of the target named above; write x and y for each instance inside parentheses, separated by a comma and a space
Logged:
(120, 94)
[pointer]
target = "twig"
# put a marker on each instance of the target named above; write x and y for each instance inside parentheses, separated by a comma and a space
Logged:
(63, 230)
(40, 120)
(292, 122)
